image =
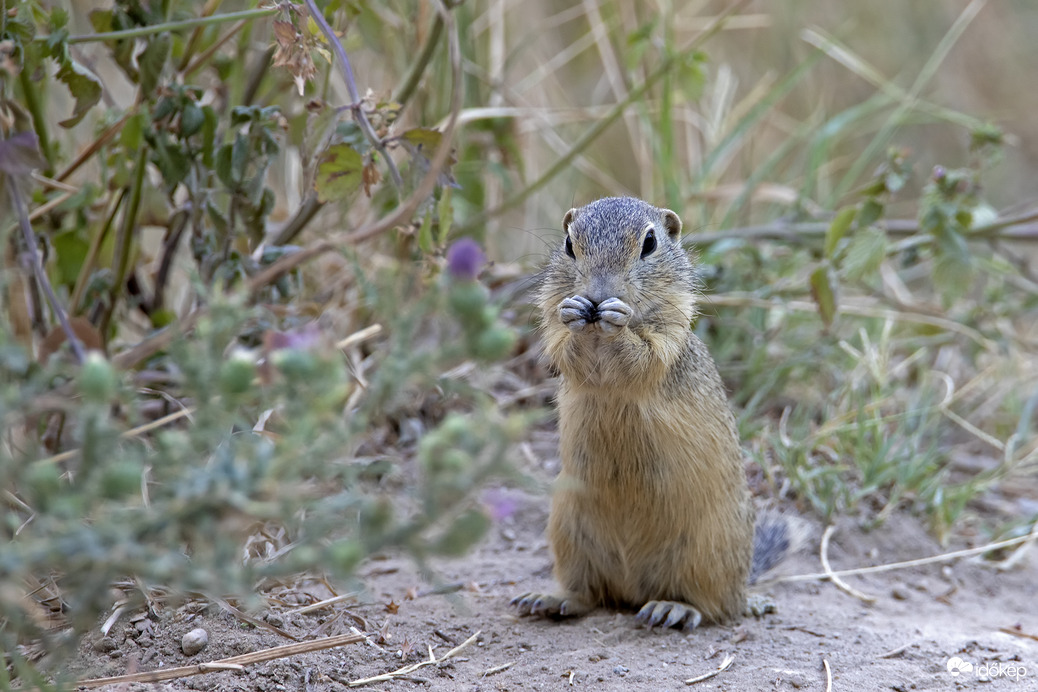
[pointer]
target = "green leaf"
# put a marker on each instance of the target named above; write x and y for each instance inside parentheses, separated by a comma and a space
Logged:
(952, 275)
(84, 86)
(239, 158)
(838, 228)
(191, 120)
(172, 162)
(208, 135)
(338, 173)
(425, 241)
(865, 253)
(101, 20)
(823, 290)
(132, 135)
(425, 137)
(152, 60)
(445, 214)
(870, 212)
(223, 166)
(58, 18)
(69, 253)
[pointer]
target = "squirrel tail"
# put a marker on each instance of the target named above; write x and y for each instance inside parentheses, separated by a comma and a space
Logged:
(775, 537)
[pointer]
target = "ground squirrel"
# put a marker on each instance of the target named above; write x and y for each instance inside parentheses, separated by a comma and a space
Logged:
(651, 508)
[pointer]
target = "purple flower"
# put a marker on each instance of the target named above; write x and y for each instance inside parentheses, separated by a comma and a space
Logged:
(500, 504)
(465, 259)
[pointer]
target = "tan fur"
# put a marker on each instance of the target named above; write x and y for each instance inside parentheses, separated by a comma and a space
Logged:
(651, 503)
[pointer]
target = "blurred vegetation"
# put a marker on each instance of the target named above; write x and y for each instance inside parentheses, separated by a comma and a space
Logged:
(230, 312)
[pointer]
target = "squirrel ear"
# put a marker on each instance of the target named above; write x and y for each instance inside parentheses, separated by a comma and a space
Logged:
(672, 223)
(568, 219)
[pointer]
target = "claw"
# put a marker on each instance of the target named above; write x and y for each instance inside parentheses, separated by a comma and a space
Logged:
(669, 614)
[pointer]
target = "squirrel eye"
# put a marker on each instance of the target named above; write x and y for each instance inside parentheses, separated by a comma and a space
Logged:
(649, 246)
(569, 248)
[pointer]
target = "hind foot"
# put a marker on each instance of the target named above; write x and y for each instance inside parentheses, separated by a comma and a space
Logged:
(547, 605)
(669, 614)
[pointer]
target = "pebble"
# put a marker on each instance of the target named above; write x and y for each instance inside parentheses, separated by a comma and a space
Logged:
(621, 671)
(194, 641)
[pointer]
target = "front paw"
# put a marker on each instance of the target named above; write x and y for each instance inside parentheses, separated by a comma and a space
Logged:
(614, 314)
(577, 312)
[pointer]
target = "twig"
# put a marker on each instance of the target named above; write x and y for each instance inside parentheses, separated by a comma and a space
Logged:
(89, 152)
(126, 435)
(828, 675)
(245, 617)
(891, 566)
(205, 57)
(232, 663)
(1018, 633)
(351, 86)
(172, 26)
(895, 652)
(322, 604)
(823, 555)
(307, 210)
(407, 670)
(37, 267)
(497, 669)
(725, 665)
(357, 337)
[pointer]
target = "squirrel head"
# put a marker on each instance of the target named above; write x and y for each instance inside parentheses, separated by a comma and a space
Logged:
(621, 247)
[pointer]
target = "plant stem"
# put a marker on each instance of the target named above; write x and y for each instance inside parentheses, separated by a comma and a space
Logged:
(173, 26)
(39, 123)
(298, 222)
(599, 127)
(41, 275)
(414, 73)
(351, 86)
(92, 252)
(124, 239)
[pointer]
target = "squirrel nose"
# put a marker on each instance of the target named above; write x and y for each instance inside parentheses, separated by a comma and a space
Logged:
(597, 291)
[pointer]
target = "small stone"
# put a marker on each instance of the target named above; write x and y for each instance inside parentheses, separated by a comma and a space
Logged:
(899, 593)
(194, 641)
(105, 645)
(621, 671)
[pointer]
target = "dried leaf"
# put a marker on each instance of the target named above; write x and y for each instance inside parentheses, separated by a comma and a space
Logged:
(370, 176)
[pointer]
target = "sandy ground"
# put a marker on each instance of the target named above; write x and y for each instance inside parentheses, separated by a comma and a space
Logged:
(921, 618)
